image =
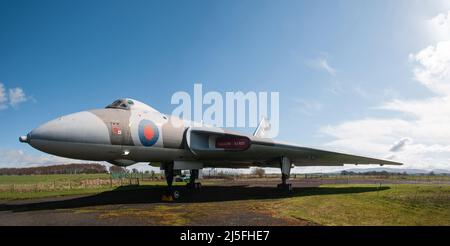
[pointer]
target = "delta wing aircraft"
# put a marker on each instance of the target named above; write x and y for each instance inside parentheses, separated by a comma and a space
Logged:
(128, 131)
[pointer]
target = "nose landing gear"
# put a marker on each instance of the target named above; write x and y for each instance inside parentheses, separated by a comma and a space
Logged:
(170, 195)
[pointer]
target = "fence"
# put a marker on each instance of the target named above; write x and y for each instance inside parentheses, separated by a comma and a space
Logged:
(114, 180)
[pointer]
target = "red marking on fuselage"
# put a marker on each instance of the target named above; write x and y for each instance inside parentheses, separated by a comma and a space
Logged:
(148, 132)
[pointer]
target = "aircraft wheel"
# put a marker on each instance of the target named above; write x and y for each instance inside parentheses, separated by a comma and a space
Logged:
(167, 198)
(285, 187)
(176, 194)
(171, 196)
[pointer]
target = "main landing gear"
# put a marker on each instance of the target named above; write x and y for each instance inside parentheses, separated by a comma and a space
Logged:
(285, 164)
(192, 184)
(170, 195)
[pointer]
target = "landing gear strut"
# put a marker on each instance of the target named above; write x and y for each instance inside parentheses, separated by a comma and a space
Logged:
(170, 194)
(192, 184)
(285, 164)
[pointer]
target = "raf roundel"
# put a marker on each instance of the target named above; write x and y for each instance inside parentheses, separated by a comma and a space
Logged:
(148, 133)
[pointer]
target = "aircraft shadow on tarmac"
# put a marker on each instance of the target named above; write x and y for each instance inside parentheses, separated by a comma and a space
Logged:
(152, 194)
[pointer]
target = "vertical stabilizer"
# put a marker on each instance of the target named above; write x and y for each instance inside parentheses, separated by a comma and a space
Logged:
(262, 129)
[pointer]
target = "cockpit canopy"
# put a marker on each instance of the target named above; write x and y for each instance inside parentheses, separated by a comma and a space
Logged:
(121, 104)
(129, 104)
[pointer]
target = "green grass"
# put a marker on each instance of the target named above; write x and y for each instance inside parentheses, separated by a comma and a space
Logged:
(34, 194)
(16, 187)
(413, 178)
(398, 205)
(33, 179)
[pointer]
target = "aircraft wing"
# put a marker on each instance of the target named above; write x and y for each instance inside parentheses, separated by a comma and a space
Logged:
(221, 148)
(304, 156)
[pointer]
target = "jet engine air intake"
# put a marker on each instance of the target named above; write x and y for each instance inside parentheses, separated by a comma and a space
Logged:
(202, 142)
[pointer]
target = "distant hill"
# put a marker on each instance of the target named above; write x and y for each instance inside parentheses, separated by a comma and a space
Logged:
(397, 170)
(441, 171)
(87, 168)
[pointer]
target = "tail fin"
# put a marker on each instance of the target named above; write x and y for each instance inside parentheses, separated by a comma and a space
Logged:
(262, 129)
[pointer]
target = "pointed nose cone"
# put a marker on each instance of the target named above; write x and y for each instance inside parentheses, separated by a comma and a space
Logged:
(82, 127)
(24, 139)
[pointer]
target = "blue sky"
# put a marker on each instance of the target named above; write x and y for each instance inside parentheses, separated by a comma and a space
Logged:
(335, 64)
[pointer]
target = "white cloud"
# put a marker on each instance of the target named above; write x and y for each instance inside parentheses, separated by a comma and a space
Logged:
(439, 26)
(18, 158)
(433, 67)
(427, 121)
(3, 97)
(322, 63)
(16, 97)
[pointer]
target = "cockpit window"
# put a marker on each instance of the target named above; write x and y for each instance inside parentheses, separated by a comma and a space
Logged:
(120, 104)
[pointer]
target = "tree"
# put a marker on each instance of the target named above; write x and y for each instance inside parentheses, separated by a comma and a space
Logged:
(56, 169)
(259, 172)
(116, 169)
